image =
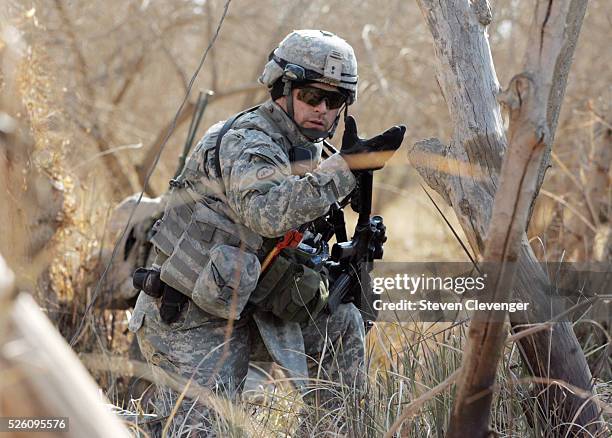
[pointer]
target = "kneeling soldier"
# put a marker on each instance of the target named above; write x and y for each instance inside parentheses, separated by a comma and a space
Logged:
(220, 292)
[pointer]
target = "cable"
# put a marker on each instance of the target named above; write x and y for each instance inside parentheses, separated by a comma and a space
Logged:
(94, 296)
(467, 252)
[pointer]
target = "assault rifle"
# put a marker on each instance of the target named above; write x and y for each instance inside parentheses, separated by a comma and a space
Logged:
(352, 260)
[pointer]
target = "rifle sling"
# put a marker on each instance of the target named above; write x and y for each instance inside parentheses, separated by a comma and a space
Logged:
(226, 127)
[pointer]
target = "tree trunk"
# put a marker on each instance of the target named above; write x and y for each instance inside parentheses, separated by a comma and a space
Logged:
(466, 75)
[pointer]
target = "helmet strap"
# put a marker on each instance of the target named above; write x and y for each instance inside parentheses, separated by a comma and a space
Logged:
(287, 92)
(332, 131)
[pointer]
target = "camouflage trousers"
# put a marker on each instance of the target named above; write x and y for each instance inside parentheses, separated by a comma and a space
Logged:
(218, 359)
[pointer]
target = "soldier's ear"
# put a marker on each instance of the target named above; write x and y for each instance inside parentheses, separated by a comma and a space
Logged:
(276, 90)
(282, 102)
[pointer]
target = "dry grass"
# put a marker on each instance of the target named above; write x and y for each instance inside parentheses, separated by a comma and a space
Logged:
(60, 206)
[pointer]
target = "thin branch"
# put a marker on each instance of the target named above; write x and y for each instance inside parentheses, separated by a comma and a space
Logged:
(578, 185)
(159, 36)
(367, 43)
(415, 406)
(120, 179)
(567, 205)
(131, 74)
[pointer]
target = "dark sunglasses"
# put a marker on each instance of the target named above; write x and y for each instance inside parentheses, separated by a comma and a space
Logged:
(314, 96)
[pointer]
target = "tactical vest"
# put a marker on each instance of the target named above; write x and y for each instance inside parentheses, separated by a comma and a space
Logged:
(204, 252)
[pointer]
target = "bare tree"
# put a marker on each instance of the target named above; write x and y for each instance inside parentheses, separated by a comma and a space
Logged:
(120, 180)
(466, 75)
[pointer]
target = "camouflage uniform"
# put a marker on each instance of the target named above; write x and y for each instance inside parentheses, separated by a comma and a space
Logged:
(261, 197)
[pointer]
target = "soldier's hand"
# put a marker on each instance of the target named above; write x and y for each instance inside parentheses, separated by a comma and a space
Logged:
(371, 153)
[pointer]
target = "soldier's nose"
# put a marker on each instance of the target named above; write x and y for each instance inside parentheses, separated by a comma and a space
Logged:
(321, 106)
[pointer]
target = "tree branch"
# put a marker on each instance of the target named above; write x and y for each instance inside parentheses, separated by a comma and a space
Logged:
(568, 30)
(487, 332)
(121, 182)
(467, 78)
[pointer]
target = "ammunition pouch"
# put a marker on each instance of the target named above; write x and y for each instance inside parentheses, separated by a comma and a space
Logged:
(291, 290)
(226, 282)
(172, 301)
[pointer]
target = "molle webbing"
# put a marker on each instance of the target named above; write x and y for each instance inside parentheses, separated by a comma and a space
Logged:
(168, 230)
(187, 244)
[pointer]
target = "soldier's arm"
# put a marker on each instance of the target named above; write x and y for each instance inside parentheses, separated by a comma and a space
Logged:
(271, 201)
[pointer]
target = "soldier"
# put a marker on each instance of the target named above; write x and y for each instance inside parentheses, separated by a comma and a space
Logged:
(215, 297)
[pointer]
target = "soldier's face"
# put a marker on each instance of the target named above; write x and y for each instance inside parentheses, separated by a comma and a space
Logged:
(318, 117)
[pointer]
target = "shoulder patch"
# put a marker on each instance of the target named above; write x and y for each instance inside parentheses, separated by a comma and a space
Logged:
(265, 172)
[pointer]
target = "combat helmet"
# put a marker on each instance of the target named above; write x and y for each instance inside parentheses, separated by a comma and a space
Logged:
(312, 56)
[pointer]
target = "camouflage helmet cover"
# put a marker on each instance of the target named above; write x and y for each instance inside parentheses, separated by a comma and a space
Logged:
(326, 57)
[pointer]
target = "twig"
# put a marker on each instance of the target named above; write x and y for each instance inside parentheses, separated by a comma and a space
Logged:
(109, 151)
(530, 331)
(587, 395)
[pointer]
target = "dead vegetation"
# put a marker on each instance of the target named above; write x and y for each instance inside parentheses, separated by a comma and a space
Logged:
(87, 93)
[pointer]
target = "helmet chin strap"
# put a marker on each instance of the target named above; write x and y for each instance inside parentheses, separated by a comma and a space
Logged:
(332, 131)
(316, 134)
(287, 92)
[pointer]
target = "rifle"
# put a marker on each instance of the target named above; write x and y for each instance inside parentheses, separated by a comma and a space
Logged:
(350, 257)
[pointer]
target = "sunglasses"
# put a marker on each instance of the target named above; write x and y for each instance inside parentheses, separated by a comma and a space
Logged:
(314, 96)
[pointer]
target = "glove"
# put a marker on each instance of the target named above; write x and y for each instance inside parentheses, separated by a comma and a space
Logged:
(371, 153)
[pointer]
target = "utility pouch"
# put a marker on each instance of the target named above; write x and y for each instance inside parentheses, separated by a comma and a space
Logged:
(226, 282)
(291, 290)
